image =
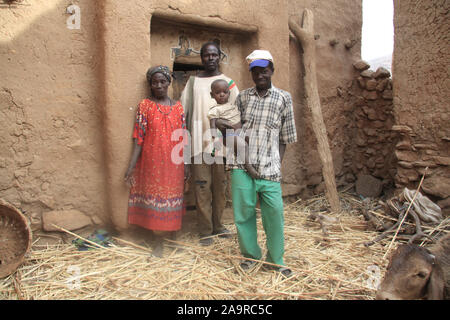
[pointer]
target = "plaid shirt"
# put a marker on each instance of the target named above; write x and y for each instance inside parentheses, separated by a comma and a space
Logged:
(267, 121)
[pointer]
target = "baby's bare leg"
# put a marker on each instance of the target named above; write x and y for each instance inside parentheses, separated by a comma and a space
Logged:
(212, 125)
(237, 126)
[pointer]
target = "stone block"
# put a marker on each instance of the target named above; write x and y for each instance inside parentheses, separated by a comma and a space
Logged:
(371, 84)
(387, 95)
(67, 219)
(402, 129)
(437, 185)
(381, 73)
(406, 165)
(404, 145)
(370, 95)
(382, 84)
(361, 65)
(444, 203)
(367, 74)
(408, 156)
(368, 186)
(361, 82)
(445, 161)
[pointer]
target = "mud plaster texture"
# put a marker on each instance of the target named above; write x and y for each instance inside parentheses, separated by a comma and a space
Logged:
(337, 21)
(421, 96)
(68, 97)
(50, 134)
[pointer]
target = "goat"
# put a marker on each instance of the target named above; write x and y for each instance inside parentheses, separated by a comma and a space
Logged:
(417, 273)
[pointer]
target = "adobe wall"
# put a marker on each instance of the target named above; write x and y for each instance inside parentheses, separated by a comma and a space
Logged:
(51, 137)
(129, 37)
(301, 169)
(68, 97)
(337, 26)
(422, 95)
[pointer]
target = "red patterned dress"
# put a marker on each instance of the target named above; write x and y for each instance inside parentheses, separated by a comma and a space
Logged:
(156, 195)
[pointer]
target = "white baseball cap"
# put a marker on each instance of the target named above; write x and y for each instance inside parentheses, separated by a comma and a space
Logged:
(259, 58)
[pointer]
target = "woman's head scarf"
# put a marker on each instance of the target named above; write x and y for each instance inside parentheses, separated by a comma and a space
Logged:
(159, 69)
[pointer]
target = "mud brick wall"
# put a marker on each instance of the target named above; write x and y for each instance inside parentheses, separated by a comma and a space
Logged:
(421, 97)
(51, 154)
(68, 96)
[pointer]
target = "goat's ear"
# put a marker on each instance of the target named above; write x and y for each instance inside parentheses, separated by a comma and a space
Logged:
(435, 290)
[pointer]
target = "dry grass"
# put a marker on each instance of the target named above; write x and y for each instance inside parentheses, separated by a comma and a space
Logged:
(338, 267)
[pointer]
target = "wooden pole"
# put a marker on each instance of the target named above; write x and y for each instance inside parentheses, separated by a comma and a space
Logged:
(305, 36)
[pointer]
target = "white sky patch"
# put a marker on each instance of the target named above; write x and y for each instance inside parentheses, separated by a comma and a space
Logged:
(378, 29)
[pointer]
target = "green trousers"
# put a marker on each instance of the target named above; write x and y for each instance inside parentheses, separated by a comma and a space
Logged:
(245, 192)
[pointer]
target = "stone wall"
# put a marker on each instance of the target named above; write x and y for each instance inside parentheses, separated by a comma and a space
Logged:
(421, 96)
(370, 114)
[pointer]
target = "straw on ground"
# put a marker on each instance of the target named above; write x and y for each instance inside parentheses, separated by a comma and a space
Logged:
(336, 267)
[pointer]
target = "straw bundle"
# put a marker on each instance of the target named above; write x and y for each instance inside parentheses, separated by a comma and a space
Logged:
(336, 267)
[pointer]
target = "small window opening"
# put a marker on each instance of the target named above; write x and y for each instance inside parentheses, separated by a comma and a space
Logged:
(186, 67)
(181, 73)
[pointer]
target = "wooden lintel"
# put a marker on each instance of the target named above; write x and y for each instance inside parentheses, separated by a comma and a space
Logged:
(200, 21)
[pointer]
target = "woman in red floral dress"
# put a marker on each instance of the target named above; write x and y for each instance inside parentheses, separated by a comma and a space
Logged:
(156, 172)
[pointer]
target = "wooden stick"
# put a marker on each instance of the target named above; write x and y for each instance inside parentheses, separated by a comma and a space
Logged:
(336, 290)
(305, 36)
(17, 286)
(195, 272)
(132, 244)
(261, 261)
(432, 231)
(88, 241)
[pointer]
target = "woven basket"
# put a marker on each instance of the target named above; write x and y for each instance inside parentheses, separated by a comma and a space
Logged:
(15, 238)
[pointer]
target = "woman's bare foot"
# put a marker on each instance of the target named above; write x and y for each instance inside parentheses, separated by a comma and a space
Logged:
(158, 247)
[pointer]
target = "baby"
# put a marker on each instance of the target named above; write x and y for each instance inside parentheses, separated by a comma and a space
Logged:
(225, 110)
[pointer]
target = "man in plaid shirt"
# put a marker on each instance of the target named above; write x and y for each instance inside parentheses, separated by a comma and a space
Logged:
(268, 123)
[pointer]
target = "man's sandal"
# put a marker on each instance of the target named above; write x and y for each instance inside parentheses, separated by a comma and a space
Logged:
(286, 272)
(225, 233)
(207, 241)
(247, 265)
